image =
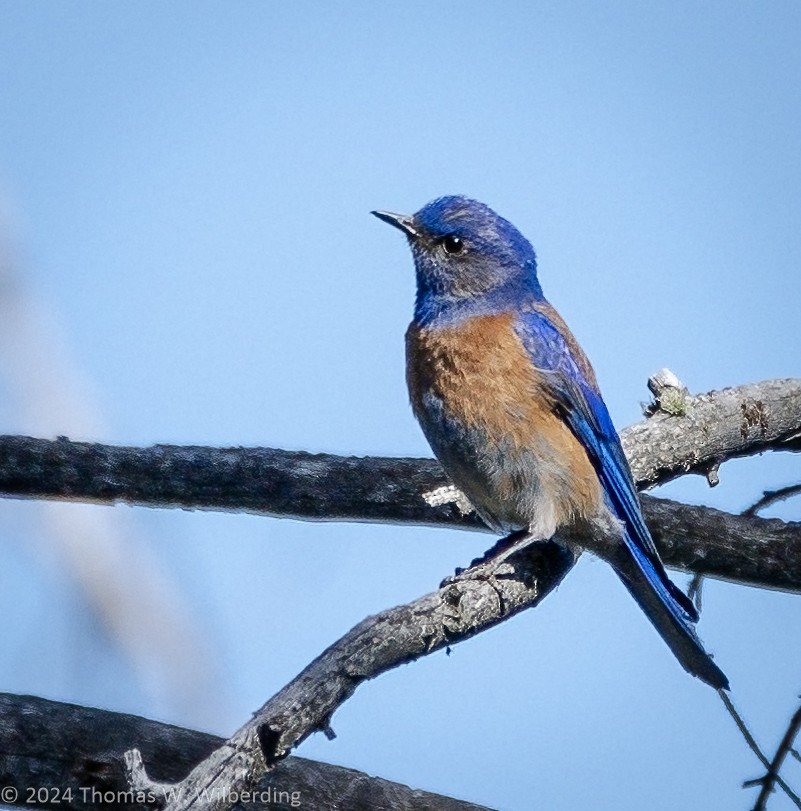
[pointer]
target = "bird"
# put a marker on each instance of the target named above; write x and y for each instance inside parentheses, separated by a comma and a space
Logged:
(511, 407)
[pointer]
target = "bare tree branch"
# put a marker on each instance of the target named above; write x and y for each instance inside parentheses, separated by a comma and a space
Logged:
(325, 487)
(771, 497)
(294, 484)
(706, 431)
(772, 777)
(59, 756)
(461, 608)
(721, 425)
(763, 552)
(756, 551)
(754, 747)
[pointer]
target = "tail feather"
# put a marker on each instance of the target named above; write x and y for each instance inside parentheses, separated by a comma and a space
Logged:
(658, 598)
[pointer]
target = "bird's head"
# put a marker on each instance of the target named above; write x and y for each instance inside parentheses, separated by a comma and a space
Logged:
(468, 258)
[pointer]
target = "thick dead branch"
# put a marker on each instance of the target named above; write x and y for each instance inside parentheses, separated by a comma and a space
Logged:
(462, 607)
(714, 427)
(755, 551)
(326, 487)
(292, 484)
(59, 756)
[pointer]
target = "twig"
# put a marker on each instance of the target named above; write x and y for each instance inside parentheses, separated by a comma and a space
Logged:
(782, 751)
(749, 739)
(770, 497)
(695, 590)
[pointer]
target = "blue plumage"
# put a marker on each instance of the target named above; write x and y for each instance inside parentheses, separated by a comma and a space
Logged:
(511, 407)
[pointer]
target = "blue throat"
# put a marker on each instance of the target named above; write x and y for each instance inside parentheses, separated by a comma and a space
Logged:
(433, 306)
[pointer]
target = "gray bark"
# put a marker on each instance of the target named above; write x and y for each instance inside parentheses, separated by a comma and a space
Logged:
(58, 756)
(699, 434)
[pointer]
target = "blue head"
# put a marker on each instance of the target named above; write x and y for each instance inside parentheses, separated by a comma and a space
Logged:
(468, 259)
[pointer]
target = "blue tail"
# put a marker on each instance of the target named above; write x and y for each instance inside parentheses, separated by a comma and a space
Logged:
(636, 561)
(577, 398)
(669, 610)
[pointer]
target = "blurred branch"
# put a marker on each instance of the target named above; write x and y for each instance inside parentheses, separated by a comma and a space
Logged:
(120, 580)
(72, 757)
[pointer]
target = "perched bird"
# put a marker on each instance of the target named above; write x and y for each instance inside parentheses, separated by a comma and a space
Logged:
(511, 407)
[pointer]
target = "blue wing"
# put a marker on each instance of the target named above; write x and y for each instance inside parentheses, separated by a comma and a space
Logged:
(575, 392)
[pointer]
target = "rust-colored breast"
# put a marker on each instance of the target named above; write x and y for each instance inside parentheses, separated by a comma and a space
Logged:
(481, 373)
(483, 377)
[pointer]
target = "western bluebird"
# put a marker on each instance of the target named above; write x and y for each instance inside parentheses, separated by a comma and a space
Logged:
(511, 407)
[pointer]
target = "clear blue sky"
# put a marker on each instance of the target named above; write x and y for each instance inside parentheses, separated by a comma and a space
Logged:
(186, 187)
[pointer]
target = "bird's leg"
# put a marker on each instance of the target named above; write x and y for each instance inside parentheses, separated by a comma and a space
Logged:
(505, 547)
(486, 567)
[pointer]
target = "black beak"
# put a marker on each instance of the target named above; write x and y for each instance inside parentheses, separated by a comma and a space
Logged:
(402, 221)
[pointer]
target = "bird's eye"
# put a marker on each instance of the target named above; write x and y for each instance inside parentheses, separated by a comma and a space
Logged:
(453, 244)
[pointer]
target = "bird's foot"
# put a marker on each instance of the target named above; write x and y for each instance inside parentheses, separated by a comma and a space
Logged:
(495, 561)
